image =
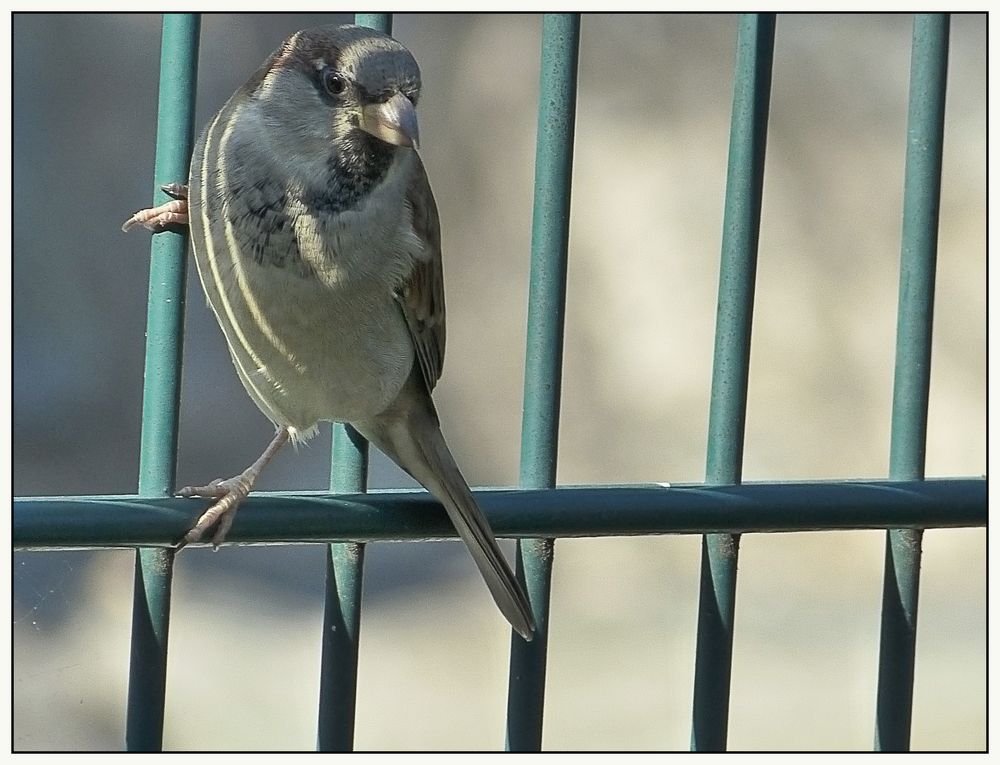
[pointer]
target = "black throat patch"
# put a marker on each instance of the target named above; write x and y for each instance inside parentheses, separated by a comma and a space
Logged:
(360, 165)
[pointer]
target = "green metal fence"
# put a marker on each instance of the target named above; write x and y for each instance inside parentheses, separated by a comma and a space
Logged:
(538, 513)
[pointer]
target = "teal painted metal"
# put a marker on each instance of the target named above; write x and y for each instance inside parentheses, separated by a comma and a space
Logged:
(168, 264)
(543, 358)
(276, 518)
(349, 466)
(526, 678)
(921, 205)
(549, 248)
(380, 21)
(922, 196)
(727, 415)
(341, 636)
(338, 687)
(162, 383)
(342, 611)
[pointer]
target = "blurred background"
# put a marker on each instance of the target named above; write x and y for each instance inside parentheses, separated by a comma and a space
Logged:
(655, 94)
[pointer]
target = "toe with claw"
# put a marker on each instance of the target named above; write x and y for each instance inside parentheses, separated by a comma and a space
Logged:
(229, 494)
(172, 213)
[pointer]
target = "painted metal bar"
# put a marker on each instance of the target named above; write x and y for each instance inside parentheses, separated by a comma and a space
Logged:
(380, 21)
(341, 634)
(543, 362)
(921, 204)
(162, 383)
(727, 414)
(338, 688)
(586, 511)
(342, 611)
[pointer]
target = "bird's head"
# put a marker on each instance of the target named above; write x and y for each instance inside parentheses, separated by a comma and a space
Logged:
(338, 87)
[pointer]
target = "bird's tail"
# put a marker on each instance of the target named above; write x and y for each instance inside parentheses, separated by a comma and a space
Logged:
(413, 438)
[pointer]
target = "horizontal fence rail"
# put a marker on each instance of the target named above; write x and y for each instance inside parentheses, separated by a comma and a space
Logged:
(122, 521)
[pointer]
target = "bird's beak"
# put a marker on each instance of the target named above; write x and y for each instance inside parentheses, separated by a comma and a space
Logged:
(394, 121)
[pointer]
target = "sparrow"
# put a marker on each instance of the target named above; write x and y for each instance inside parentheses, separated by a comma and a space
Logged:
(317, 242)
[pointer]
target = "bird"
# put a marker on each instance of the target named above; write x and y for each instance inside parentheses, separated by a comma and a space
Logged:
(317, 241)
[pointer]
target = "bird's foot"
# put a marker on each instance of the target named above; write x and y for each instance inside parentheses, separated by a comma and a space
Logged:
(172, 213)
(229, 494)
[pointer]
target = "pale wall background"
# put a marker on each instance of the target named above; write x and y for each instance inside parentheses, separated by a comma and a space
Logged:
(654, 100)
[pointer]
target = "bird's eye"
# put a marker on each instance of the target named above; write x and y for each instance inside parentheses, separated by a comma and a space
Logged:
(334, 83)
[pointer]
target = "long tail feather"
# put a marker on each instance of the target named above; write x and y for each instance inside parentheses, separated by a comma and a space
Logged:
(414, 440)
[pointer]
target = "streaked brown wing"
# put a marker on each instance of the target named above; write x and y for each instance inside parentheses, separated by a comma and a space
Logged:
(422, 295)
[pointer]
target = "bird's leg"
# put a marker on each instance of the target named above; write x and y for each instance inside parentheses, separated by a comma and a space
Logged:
(156, 219)
(229, 493)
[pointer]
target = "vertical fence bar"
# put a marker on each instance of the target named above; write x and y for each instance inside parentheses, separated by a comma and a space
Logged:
(911, 387)
(162, 383)
(342, 612)
(379, 21)
(543, 363)
(727, 413)
(338, 687)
